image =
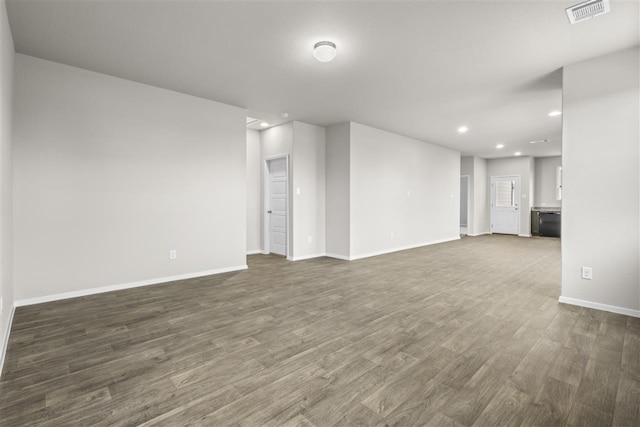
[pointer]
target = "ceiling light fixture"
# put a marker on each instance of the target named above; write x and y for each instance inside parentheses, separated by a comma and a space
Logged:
(500, 146)
(264, 124)
(463, 129)
(324, 51)
(554, 113)
(538, 141)
(517, 153)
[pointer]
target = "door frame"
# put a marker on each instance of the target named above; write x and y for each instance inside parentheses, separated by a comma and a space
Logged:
(517, 199)
(266, 195)
(468, 178)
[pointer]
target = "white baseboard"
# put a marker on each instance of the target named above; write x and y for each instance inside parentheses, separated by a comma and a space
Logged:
(92, 291)
(255, 251)
(402, 248)
(303, 257)
(5, 341)
(524, 235)
(479, 234)
(599, 306)
(342, 257)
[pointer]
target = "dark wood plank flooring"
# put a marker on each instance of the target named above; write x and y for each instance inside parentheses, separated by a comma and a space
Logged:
(467, 333)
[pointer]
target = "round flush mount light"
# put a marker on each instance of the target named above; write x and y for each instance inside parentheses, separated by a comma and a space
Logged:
(264, 124)
(324, 51)
(463, 129)
(500, 146)
(554, 113)
(517, 153)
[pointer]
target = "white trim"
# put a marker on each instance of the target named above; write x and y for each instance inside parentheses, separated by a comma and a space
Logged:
(599, 306)
(479, 234)
(524, 235)
(303, 257)
(264, 252)
(102, 289)
(342, 257)
(255, 251)
(266, 203)
(5, 342)
(403, 248)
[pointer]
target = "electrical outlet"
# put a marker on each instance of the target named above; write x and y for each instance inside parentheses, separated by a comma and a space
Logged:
(587, 273)
(173, 254)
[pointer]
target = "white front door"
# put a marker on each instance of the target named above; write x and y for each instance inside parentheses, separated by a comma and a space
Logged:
(505, 198)
(278, 205)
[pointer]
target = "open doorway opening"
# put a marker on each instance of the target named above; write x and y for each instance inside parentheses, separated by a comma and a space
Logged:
(464, 205)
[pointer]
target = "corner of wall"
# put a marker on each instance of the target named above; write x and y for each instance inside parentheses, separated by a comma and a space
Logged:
(7, 56)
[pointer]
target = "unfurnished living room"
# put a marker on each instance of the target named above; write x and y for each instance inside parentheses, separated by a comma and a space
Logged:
(319, 213)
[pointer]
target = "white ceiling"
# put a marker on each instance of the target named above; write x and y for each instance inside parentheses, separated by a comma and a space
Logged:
(419, 69)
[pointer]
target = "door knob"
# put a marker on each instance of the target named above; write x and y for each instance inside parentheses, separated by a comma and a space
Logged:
(268, 211)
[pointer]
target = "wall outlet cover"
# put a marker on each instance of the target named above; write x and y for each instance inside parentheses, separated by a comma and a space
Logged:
(586, 273)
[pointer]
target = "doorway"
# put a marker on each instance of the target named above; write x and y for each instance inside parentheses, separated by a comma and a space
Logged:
(505, 198)
(276, 203)
(464, 205)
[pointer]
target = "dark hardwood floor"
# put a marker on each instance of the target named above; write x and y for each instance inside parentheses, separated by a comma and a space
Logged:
(457, 334)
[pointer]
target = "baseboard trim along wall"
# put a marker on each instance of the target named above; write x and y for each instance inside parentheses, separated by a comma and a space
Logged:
(388, 251)
(342, 257)
(255, 251)
(5, 343)
(100, 290)
(599, 306)
(303, 257)
(479, 234)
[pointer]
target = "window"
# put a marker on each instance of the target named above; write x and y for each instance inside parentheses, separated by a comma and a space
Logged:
(505, 194)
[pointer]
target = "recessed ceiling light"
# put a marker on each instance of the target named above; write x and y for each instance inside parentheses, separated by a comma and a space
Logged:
(264, 124)
(324, 51)
(500, 146)
(554, 113)
(538, 141)
(517, 153)
(463, 129)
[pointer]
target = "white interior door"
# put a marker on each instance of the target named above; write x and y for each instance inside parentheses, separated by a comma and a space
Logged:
(278, 206)
(505, 198)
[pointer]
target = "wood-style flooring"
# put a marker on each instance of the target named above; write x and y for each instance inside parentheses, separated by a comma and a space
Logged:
(466, 333)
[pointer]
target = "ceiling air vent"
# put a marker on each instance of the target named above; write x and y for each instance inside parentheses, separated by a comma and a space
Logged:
(587, 9)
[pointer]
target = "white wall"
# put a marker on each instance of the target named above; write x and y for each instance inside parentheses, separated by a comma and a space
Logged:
(522, 167)
(601, 182)
(545, 188)
(110, 175)
(6, 179)
(338, 191)
(305, 146)
(476, 168)
(254, 192)
(481, 195)
(404, 192)
(308, 191)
